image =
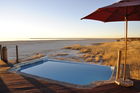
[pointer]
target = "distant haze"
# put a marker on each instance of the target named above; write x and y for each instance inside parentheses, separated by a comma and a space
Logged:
(23, 19)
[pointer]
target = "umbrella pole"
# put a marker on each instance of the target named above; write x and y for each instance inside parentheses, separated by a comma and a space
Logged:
(125, 56)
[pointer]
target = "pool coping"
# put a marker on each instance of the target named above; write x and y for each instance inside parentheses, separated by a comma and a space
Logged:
(18, 66)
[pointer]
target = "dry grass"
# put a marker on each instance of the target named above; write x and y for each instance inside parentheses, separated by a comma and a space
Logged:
(59, 54)
(89, 59)
(85, 50)
(74, 47)
(108, 52)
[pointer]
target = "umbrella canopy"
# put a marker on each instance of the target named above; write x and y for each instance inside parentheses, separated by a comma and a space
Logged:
(117, 12)
(124, 10)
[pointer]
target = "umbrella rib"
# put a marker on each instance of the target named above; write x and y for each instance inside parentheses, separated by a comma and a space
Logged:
(111, 15)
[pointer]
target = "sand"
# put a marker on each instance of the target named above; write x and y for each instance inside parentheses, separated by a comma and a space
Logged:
(46, 47)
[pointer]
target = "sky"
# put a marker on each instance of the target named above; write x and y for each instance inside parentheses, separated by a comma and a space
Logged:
(57, 19)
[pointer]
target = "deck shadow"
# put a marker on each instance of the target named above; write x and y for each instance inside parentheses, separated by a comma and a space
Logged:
(43, 88)
(3, 87)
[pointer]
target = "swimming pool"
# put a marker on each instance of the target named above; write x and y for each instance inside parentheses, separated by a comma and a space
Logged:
(68, 72)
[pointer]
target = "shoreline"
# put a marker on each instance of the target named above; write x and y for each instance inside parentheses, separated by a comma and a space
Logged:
(52, 39)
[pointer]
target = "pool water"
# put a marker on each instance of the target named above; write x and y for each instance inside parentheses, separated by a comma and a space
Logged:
(69, 72)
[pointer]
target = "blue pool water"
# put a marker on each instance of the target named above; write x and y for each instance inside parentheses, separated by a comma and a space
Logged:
(69, 72)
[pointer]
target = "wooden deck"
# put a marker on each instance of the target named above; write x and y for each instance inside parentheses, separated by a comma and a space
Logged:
(15, 83)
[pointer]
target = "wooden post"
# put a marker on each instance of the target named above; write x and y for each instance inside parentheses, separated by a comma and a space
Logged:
(125, 56)
(0, 51)
(118, 65)
(17, 61)
(4, 54)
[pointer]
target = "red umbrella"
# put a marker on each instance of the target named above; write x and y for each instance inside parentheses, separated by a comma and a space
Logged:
(117, 12)
(124, 10)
